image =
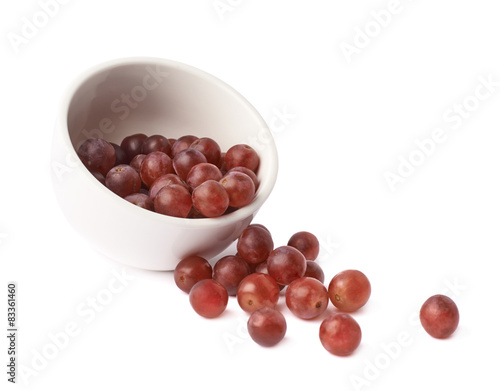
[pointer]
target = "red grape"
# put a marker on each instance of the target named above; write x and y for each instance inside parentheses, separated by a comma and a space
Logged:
(132, 144)
(248, 172)
(121, 156)
(229, 271)
(266, 326)
(123, 180)
(201, 173)
(141, 200)
(165, 180)
(156, 143)
(182, 143)
(239, 187)
(242, 155)
(97, 155)
(306, 297)
(340, 334)
(185, 160)
(439, 316)
(286, 264)
(255, 244)
(209, 148)
(154, 165)
(191, 270)
(210, 199)
(306, 243)
(315, 271)
(208, 298)
(257, 290)
(137, 161)
(349, 290)
(173, 200)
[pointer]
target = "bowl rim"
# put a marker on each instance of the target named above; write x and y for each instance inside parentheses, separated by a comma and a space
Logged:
(265, 187)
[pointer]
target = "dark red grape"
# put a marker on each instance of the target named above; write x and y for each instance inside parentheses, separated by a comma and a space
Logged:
(210, 199)
(137, 161)
(156, 143)
(239, 187)
(315, 271)
(286, 264)
(132, 144)
(165, 180)
(97, 155)
(255, 244)
(306, 243)
(439, 316)
(208, 298)
(306, 297)
(191, 270)
(222, 163)
(173, 200)
(141, 200)
(123, 180)
(182, 143)
(257, 290)
(209, 148)
(266, 326)
(340, 334)
(229, 271)
(349, 290)
(154, 165)
(201, 173)
(242, 155)
(185, 160)
(248, 172)
(121, 156)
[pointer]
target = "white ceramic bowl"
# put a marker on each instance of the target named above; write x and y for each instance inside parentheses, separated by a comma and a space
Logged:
(152, 96)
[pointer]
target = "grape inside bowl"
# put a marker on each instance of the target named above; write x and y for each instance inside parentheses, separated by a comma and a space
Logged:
(152, 96)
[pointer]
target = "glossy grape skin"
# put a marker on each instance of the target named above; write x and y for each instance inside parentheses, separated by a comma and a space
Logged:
(185, 160)
(137, 161)
(242, 155)
(267, 326)
(240, 189)
(173, 200)
(201, 173)
(306, 243)
(209, 148)
(156, 143)
(349, 290)
(340, 334)
(306, 298)
(121, 156)
(165, 180)
(208, 298)
(229, 271)
(123, 180)
(182, 143)
(286, 264)
(132, 144)
(315, 271)
(97, 155)
(439, 316)
(191, 270)
(210, 199)
(154, 165)
(255, 244)
(248, 172)
(141, 200)
(257, 290)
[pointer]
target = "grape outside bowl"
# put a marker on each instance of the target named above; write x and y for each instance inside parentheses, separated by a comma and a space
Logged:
(152, 96)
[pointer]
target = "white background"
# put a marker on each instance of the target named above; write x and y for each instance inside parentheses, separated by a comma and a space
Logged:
(350, 120)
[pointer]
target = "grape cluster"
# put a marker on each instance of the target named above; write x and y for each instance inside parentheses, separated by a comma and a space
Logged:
(185, 177)
(257, 274)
